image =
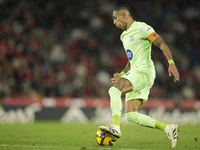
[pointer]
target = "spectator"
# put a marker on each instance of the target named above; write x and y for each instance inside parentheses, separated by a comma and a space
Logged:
(64, 48)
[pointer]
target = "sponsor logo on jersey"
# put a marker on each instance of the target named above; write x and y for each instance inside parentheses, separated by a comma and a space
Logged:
(129, 54)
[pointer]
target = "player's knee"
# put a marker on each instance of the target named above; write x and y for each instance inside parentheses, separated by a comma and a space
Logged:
(110, 91)
(113, 90)
(132, 116)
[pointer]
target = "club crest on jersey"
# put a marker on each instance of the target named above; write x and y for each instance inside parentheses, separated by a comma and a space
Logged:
(129, 54)
(131, 38)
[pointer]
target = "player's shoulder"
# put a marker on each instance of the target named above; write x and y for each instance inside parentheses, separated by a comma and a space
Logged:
(142, 25)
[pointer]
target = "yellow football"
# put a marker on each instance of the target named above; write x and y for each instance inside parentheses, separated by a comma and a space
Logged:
(105, 139)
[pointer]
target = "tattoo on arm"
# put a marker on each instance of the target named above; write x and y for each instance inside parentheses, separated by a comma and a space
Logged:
(127, 68)
(120, 83)
(158, 42)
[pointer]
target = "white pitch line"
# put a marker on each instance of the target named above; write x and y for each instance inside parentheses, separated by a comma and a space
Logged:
(110, 148)
(5, 145)
(31, 146)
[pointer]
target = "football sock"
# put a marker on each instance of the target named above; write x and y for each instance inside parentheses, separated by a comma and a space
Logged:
(140, 119)
(160, 125)
(115, 104)
(116, 120)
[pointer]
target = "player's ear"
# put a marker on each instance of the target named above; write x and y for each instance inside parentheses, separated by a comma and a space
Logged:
(125, 15)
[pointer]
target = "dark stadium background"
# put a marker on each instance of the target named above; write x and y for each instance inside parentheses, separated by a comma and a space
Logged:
(70, 48)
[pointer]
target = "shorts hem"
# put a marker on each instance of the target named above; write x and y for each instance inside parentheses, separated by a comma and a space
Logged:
(143, 102)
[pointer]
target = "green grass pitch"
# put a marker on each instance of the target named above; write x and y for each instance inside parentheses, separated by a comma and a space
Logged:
(58, 136)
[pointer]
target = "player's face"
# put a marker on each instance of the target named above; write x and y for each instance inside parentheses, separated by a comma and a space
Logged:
(118, 20)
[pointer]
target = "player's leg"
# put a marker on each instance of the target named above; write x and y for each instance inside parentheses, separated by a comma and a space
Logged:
(141, 83)
(132, 115)
(121, 87)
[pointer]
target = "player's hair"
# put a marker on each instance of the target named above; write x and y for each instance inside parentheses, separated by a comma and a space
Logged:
(126, 8)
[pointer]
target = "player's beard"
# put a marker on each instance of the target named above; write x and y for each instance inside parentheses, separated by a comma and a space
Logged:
(120, 28)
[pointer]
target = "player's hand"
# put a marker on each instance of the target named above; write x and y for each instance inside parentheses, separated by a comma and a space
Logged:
(116, 76)
(173, 70)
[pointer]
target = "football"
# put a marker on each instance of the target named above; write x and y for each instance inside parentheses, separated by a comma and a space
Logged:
(105, 139)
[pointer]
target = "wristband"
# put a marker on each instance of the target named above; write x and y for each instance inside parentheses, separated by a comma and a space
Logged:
(122, 73)
(171, 61)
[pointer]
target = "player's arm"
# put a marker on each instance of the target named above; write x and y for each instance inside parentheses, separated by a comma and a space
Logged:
(127, 68)
(159, 42)
(116, 76)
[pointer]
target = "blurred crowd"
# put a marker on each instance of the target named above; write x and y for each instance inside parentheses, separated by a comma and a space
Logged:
(70, 48)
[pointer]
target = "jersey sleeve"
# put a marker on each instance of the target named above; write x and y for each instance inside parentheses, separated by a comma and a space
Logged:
(147, 32)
